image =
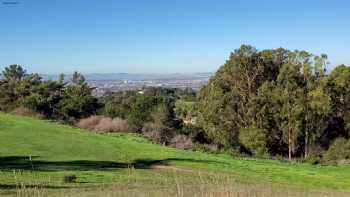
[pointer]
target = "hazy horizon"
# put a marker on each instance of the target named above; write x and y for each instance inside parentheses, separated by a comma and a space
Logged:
(121, 73)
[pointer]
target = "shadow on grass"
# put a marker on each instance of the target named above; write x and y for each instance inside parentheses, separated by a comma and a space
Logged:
(14, 186)
(34, 164)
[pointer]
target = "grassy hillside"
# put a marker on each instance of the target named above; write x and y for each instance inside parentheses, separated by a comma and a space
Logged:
(37, 155)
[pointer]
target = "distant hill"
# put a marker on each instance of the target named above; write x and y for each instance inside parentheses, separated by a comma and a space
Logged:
(137, 77)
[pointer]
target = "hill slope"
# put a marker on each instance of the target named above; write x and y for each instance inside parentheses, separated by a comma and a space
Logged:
(45, 152)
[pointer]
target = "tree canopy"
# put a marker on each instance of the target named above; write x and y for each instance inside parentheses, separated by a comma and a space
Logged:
(285, 95)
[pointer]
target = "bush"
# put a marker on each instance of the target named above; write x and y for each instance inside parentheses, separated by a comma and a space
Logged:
(70, 178)
(338, 152)
(103, 124)
(164, 123)
(196, 133)
(89, 123)
(24, 111)
(152, 132)
(154, 136)
(312, 159)
(112, 125)
(315, 155)
(182, 142)
(253, 140)
(210, 148)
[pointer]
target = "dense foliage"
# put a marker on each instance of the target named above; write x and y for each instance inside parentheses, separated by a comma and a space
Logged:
(283, 99)
(158, 113)
(52, 99)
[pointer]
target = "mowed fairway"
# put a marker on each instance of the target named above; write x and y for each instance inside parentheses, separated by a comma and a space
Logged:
(36, 155)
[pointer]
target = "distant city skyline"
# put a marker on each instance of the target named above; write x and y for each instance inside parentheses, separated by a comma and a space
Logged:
(151, 37)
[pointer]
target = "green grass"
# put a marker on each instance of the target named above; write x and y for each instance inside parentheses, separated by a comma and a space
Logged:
(58, 150)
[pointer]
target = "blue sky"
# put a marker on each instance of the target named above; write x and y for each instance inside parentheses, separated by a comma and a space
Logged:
(163, 36)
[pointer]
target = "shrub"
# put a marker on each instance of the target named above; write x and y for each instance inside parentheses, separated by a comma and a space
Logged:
(112, 125)
(89, 123)
(158, 133)
(24, 111)
(254, 140)
(103, 124)
(70, 178)
(182, 142)
(210, 148)
(338, 152)
(315, 155)
(196, 133)
(312, 159)
(164, 123)
(150, 131)
(153, 136)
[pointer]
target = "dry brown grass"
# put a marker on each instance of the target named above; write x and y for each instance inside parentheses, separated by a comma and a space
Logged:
(180, 189)
(89, 123)
(179, 184)
(24, 111)
(103, 124)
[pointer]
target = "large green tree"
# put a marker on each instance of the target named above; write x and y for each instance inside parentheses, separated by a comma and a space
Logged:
(45, 98)
(78, 101)
(290, 88)
(14, 86)
(14, 73)
(294, 105)
(227, 102)
(337, 86)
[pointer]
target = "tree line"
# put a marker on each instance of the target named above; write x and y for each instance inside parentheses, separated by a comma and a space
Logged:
(277, 102)
(269, 103)
(60, 100)
(150, 112)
